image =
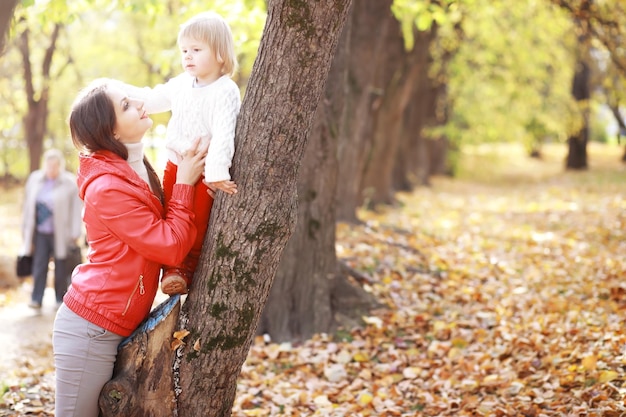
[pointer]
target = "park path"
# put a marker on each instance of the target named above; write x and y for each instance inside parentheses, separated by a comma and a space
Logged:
(26, 334)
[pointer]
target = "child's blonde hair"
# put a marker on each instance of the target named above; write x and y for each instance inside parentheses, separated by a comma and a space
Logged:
(212, 29)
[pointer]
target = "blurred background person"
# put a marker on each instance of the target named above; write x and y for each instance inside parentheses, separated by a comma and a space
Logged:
(51, 223)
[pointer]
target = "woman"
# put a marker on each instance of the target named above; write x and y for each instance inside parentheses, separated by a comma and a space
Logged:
(130, 235)
(51, 223)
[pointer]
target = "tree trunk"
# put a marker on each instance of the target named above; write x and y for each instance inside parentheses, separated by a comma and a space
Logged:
(577, 143)
(142, 383)
(299, 304)
(310, 293)
(412, 165)
(401, 72)
(248, 231)
(6, 14)
(35, 119)
(366, 51)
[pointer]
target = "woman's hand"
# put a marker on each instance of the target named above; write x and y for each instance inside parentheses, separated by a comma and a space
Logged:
(191, 165)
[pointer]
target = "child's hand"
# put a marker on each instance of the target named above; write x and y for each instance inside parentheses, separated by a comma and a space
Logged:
(229, 187)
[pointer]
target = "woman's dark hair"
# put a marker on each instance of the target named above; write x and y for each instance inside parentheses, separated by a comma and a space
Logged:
(92, 121)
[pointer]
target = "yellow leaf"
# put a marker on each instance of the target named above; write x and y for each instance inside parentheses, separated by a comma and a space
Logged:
(365, 398)
(176, 343)
(361, 357)
(607, 376)
(590, 362)
(459, 342)
(454, 353)
(181, 334)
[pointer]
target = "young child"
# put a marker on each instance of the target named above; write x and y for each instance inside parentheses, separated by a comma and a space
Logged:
(204, 102)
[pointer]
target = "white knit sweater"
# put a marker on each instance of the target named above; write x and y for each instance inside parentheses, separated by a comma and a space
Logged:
(208, 111)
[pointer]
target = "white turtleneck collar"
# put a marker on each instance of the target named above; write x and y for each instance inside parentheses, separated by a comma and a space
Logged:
(135, 160)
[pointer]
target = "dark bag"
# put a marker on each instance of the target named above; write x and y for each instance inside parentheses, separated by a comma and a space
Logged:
(73, 259)
(24, 266)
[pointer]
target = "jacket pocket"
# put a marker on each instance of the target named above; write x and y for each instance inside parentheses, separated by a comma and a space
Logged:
(138, 287)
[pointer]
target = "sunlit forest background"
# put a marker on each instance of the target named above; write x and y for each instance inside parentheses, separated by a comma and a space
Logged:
(476, 192)
(506, 67)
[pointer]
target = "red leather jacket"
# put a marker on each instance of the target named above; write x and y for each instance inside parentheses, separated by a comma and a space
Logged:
(130, 237)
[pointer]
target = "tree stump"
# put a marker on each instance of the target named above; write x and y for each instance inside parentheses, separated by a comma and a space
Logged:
(142, 383)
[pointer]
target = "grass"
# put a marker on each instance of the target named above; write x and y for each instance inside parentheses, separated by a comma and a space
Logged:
(508, 164)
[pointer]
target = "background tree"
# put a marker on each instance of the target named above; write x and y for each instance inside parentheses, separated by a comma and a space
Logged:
(600, 26)
(36, 117)
(6, 13)
(311, 292)
(581, 91)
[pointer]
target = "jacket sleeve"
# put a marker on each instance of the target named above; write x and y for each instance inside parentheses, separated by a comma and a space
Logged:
(124, 211)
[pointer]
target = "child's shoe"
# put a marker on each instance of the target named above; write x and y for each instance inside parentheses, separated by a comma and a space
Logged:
(174, 281)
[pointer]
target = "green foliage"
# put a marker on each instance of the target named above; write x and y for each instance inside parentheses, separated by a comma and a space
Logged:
(510, 80)
(131, 40)
(421, 15)
(507, 65)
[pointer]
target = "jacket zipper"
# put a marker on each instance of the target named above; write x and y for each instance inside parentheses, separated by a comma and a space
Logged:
(142, 291)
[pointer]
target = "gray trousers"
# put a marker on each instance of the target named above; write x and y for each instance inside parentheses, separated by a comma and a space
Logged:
(84, 355)
(44, 250)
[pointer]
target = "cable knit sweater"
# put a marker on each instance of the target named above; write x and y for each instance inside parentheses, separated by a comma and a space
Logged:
(208, 111)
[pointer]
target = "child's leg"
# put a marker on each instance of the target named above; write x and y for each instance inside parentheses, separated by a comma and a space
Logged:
(172, 281)
(202, 206)
(177, 279)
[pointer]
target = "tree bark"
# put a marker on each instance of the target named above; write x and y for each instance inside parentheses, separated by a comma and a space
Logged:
(401, 71)
(577, 143)
(7, 7)
(366, 51)
(311, 294)
(299, 303)
(248, 231)
(36, 117)
(142, 383)
(411, 166)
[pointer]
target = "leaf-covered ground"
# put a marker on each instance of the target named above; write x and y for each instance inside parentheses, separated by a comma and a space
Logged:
(505, 297)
